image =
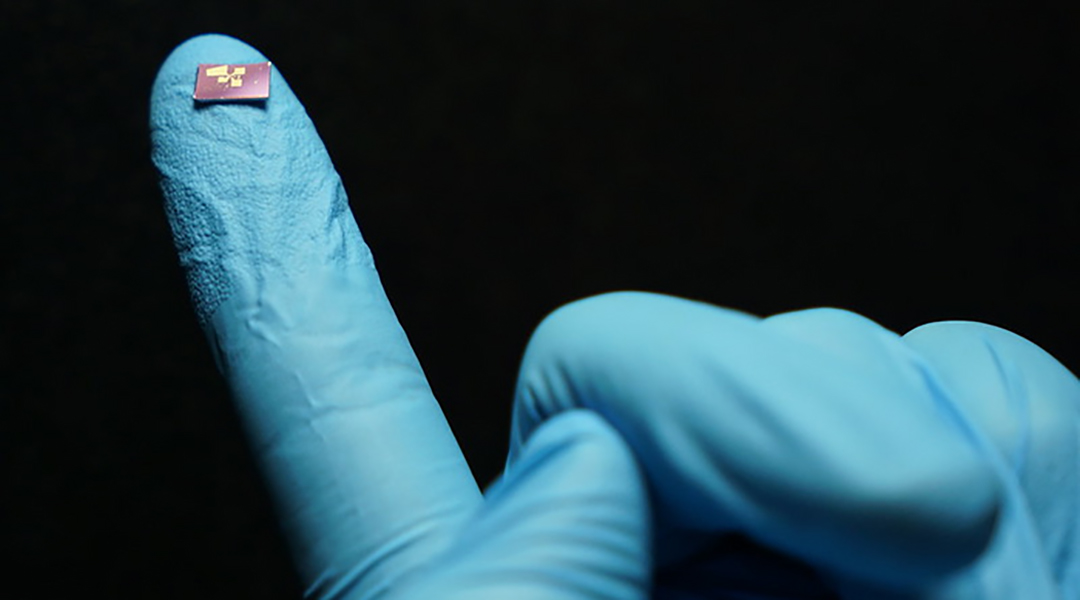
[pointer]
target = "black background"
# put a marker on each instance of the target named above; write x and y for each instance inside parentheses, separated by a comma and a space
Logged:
(911, 163)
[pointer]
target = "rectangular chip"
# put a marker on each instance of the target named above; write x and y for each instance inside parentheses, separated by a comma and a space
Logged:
(220, 82)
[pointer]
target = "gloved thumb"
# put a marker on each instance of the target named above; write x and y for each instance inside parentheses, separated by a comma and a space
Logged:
(569, 520)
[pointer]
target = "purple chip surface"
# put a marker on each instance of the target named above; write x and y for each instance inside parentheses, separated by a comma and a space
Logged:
(220, 82)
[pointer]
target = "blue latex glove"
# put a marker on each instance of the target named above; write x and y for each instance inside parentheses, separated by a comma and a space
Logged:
(661, 447)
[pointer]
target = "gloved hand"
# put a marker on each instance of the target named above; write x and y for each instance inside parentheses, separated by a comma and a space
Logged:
(661, 447)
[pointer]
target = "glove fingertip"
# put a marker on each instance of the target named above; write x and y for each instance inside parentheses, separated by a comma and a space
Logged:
(248, 184)
(176, 78)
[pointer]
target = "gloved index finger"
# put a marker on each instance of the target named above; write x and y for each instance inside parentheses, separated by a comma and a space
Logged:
(365, 471)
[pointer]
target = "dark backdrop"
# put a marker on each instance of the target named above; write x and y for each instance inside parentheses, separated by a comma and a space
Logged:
(911, 163)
